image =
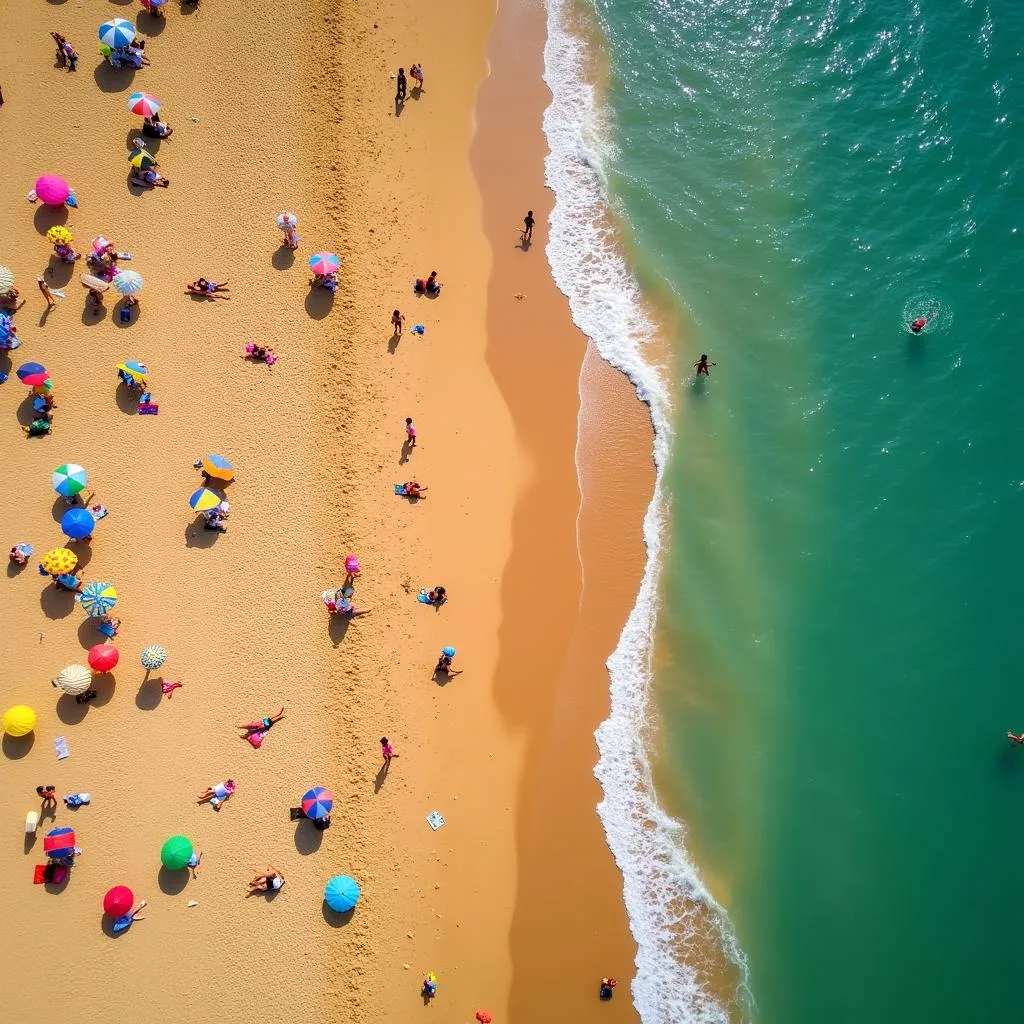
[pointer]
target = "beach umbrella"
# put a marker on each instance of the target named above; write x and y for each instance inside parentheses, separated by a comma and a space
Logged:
(58, 560)
(175, 853)
(136, 370)
(449, 651)
(287, 220)
(59, 235)
(73, 679)
(324, 263)
(52, 189)
(6, 279)
(97, 284)
(118, 901)
(317, 803)
(59, 842)
(142, 159)
(116, 33)
(143, 104)
(219, 467)
(69, 479)
(78, 523)
(33, 374)
(19, 720)
(97, 598)
(204, 499)
(153, 657)
(100, 243)
(103, 657)
(128, 282)
(341, 893)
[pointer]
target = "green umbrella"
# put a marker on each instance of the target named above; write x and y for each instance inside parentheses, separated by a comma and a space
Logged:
(174, 854)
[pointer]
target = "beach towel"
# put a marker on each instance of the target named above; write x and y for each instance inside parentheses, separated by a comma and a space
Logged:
(423, 597)
(31, 822)
(256, 739)
(148, 408)
(399, 489)
(39, 876)
(419, 329)
(60, 745)
(106, 629)
(435, 820)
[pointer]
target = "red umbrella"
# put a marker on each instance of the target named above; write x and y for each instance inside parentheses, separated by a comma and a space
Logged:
(59, 842)
(103, 657)
(118, 901)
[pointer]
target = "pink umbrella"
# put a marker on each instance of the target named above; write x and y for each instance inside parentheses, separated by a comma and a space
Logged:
(100, 244)
(52, 189)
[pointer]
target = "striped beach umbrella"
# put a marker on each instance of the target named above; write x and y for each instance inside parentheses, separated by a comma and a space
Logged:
(33, 374)
(324, 263)
(219, 467)
(73, 679)
(142, 159)
(97, 598)
(204, 499)
(59, 560)
(341, 893)
(78, 523)
(138, 371)
(69, 479)
(153, 657)
(116, 33)
(286, 220)
(6, 279)
(143, 104)
(59, 842)
(317, 803)
(128, 282)
(59, 235)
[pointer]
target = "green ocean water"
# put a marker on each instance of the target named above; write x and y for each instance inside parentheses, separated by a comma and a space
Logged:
(842, 594)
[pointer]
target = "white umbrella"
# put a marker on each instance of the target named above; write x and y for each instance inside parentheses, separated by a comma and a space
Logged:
(128, 282)
(74, 679)
(6, 279)
(287, 220)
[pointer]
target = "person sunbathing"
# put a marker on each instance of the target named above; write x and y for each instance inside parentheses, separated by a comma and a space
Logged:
(69, 582)
(260, 724)
(149, 178)
(19, 554)
(154, 129)
(348, 609)
(444, 666)
(201, 286)
(266, 881)
(437, 596)
(264, 353)
(412, 489)
(216, 795)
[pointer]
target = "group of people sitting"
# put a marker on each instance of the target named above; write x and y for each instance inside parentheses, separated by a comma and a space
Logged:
(9, 339)
(431, 286)
(328, 281)
(42, 411)
(133, 55)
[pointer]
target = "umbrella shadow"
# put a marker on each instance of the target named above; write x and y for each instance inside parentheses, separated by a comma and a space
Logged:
(134, 312)
(93, 314)
(111, 79)
(14, 569)
(60, 506)
(47, 217)
(283, 258)
(337, 627)
(25, 412)
(172, 882)
(56, 604)
(89, 635)
(127, 399)
(17, 747)
(56, 888)
(319, 303)
(149, 694)
(307, 838)
(197, 536)
(70, 712)
(59, 273)
(150, 24)
(152, 145)
(335, 919)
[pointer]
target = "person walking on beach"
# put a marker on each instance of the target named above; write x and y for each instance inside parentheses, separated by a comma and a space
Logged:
(410, 432)
(528, 223)
(402, 87)
(703, 367)
(387, 752)
(48, 293)
(397, 321)
(48, 794)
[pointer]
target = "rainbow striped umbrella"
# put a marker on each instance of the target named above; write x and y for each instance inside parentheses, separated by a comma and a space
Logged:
(59, 842)
(143, 104)
(204, 499)
(69, 479)
(153, 657)
(324, 263)
(317, 803)
(97, 598)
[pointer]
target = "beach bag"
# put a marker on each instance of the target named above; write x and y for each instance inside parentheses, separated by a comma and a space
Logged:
(256, 739)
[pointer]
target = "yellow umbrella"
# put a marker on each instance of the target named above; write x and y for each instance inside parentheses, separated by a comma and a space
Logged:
(19, 720)
(218, 467)
(59, 560)
(59, 235)
(142, 159)
(134, 370)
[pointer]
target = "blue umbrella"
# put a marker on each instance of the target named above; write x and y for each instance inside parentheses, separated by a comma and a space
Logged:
(317, 803)
(97, 598)
(341, 893)
(30, 370)
(78, 523)
(449, 651)
(117, 33)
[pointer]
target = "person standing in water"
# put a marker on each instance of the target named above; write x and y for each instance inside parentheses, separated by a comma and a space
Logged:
(528, 223)
(703, 367)
(918, 325)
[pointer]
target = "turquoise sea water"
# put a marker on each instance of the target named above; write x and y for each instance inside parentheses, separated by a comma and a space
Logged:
(841, 617)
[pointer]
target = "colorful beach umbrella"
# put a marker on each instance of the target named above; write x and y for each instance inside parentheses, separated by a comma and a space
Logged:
(287, 220)
(100, 243)
(78, 523)
(58, 560)
(341, 893)
(142, 159)
(324, 263)
(317, 803)
(73, 679)
(103, 657)
(59, 842)
(138, 371)
(118, 900)
(33, 374)
(69, 480)
(6, 279)
(153, 657)
(59, 235)
(204, 499)
(143, 104)
(116, 33)
(219, 467)
(128, 282)
(175, 853)
(97, 598)
(52, 189)
(19, 720)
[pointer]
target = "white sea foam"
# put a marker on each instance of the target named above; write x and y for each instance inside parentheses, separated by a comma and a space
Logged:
(672, 914)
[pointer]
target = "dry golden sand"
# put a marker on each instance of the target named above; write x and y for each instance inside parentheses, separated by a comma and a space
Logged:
(288, 105)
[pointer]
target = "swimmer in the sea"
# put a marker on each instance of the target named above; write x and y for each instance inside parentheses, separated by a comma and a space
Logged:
(921, 322)
(703, 367)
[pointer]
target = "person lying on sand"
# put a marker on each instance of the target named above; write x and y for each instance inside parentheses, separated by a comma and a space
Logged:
(127, 920)
(266, 881)
(261, 724)
(412, 489)
(201, 286)
(149, 179)
(216, 795)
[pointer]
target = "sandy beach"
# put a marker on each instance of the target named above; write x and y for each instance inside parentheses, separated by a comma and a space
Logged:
(317, 441)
